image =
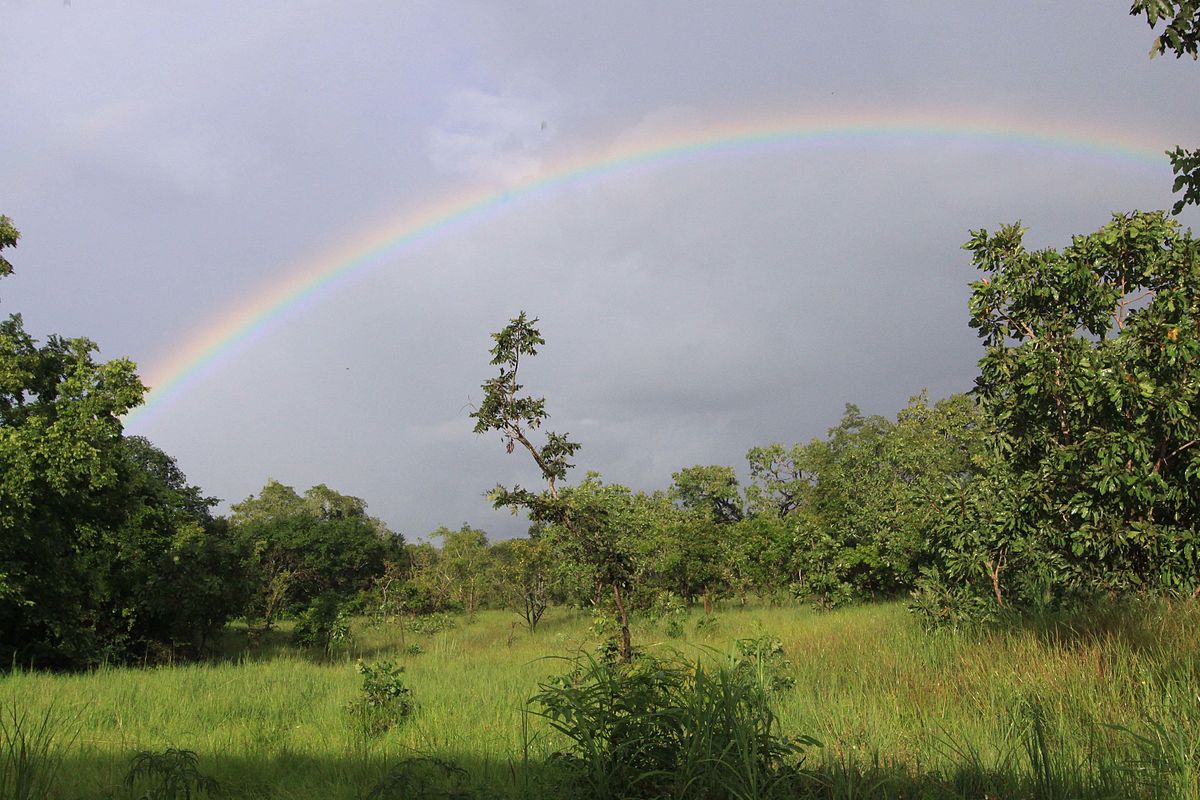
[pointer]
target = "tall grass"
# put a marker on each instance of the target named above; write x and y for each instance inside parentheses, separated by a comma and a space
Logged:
(1104, 706)
(31, 750)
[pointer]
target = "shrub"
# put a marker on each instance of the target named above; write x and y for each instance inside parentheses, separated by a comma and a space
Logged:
(323, 624)
(427, 778)
(764, 660)
(669, 728)
(385, 700)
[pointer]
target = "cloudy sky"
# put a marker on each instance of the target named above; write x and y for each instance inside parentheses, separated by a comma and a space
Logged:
(171, 166)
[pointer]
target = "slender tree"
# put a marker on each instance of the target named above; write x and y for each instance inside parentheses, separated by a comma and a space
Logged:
(517, 418)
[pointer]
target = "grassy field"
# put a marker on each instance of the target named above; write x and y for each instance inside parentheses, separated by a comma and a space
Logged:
(1110, 708)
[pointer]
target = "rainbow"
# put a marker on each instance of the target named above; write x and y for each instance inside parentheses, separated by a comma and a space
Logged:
(372, 248)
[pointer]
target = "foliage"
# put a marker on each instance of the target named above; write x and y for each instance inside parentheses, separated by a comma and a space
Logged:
(671, 611)
(299, 548)
(584, 514)
(780, 479)
(527, 578)
(464, 565)
(876, 487)
(764, 659)
(669, 728)
(672, 549)
(431, 623)
(170, 775)
(1090, 381)
(385, 701)
(759, 556)
(175, 574)
(106, 552)
(1185, 164)
(711, 489)
(322, 625)
(1181, 34)
(8, 238)
(59, 440)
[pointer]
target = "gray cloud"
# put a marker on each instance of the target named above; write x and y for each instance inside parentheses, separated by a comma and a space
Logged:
(164, 166)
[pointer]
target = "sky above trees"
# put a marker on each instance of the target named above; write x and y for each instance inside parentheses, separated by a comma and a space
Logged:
(166, 165)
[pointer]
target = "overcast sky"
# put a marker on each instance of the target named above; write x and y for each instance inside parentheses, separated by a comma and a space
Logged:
(165, 162)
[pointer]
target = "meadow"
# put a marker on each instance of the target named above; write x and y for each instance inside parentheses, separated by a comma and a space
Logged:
(1105, 706)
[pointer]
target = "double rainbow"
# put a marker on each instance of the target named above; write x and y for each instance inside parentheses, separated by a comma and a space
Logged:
(373, 248)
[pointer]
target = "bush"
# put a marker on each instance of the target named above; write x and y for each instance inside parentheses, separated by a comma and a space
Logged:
(323, 624)
(385, 700)
(669, 728)
(764, 660)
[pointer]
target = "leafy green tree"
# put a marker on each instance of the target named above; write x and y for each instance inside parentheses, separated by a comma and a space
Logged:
(60, 436)
(874, 489)
(780, 479)
(712, 489)
(526, 577)
(465, 565)
(167, 574)
(675, 550)
(758, 555)
(583, 515)
(1090, 378)
(302, 547)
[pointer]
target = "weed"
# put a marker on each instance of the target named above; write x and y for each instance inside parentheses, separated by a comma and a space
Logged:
(426, 778)
(169, 775)
(763, 658)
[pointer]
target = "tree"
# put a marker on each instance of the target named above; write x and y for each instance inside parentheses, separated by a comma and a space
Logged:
(60, 435)
(167, 573)
(516, 417)
(711, 489)
(526, 574)
(301, 547)
(1090, 380)
(780, 479)
(1181, 34)
(465, 564)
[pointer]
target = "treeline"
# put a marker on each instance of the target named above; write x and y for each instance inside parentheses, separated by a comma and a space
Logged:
(838, 519)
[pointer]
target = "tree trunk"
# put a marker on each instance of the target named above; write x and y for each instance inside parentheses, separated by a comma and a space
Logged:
(626, 644)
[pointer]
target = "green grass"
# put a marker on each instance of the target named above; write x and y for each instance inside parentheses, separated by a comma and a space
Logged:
(1107, 707)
